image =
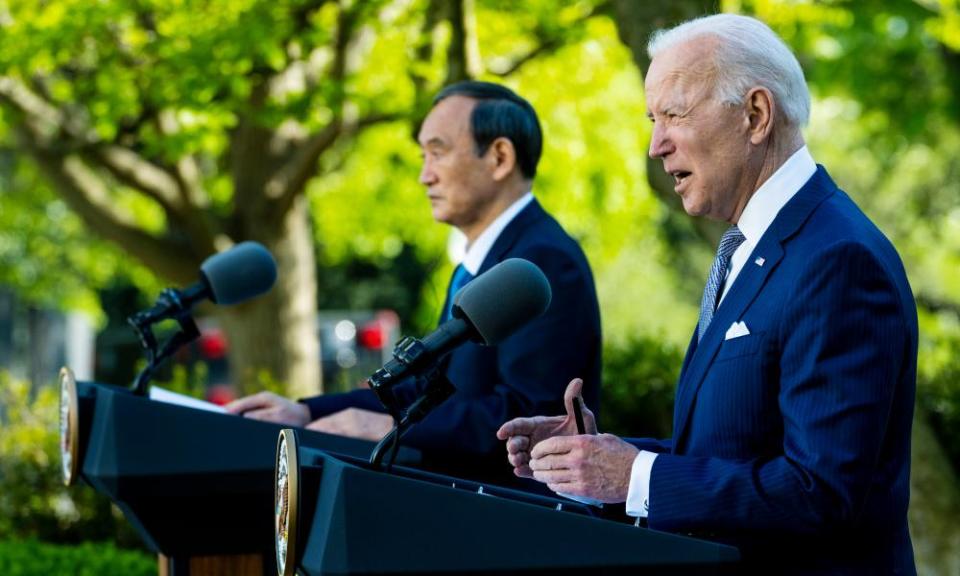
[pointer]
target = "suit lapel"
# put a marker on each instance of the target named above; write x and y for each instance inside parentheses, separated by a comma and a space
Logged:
(505, 241)
(744, 291)
(513, 231)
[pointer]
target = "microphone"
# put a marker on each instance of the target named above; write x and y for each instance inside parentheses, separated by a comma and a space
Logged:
(233, 276)
(490, 308)
(243, 272)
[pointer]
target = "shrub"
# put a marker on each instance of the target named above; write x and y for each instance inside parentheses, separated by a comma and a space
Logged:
(938, 391)
(34, 503)
(639, 377)
(32, 558)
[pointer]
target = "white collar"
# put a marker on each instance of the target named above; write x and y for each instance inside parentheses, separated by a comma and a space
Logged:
(478, 251)
(773, 195)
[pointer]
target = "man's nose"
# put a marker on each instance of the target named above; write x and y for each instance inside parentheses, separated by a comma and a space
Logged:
(660, 144)
(427, 175)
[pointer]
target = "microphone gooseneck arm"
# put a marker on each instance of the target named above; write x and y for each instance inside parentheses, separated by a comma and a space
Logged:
(437, 390)
(172, 304)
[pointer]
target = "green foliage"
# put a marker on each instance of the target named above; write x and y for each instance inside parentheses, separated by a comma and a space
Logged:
(46, 254)
(32, 558)
(938, 377)
(639, 378)
(884, 76)
(33, 501)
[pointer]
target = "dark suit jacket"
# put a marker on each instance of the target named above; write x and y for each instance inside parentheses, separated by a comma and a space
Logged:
(793, 442)
(523, 376)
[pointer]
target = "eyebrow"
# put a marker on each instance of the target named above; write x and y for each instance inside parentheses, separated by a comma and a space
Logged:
(434, 142)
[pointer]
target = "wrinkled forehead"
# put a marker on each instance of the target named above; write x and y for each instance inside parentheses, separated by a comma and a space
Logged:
(686, 71)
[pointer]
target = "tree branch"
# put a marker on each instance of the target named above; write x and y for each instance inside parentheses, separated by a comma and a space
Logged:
(463, 53)
(186, 173)
(132, 170)
(52, 129)
(87, 195)
(549, 42)
(291, 180)
(545, 46)
(935, 304)
(423, 54)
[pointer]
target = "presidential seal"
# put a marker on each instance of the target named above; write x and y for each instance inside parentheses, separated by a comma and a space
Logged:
(286, 498)
(69, 427)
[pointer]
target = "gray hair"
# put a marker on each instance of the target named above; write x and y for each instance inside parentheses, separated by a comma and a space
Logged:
(749, 54)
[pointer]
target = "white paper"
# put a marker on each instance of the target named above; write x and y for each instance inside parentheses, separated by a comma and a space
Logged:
(582, 499)
(163, 395)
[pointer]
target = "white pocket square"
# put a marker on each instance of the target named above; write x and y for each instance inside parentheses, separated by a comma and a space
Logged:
(736, 330)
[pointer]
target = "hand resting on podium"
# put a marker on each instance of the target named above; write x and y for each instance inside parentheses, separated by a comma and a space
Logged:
(548, 449)
(352, 422)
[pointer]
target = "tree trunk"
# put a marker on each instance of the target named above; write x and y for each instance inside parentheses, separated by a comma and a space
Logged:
(934, 503)
(636, 22)
(273, 339)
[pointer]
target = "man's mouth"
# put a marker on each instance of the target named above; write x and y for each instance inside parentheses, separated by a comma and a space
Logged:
(679, 176)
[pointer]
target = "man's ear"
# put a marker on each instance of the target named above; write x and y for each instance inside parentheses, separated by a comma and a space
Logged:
(761, 112)
(502, 157)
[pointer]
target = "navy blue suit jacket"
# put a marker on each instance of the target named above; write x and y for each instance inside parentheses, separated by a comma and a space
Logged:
(524, 375)
(793, 442)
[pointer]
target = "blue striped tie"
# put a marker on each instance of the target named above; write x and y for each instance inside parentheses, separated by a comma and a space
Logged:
(731, 240)
(460, 279)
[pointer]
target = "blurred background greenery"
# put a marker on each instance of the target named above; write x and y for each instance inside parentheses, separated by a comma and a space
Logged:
(139, 136)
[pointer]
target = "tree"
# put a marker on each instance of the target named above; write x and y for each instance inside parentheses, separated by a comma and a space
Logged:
(175, 130)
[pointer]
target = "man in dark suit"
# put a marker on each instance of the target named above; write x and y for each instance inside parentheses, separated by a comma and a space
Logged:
(481, 144)
(791, 433)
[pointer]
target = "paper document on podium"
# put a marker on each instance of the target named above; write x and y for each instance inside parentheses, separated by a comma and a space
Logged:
(163, 395)
(582, 499)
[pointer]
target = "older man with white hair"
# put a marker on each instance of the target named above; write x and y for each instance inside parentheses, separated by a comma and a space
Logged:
(791, 433)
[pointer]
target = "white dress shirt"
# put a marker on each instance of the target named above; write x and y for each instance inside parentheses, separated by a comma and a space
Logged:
(477, 252)
(757, 216)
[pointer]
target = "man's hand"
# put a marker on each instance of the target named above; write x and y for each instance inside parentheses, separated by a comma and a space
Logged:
(522, 434)
(270, 407)
(597, 467)
(356, 423)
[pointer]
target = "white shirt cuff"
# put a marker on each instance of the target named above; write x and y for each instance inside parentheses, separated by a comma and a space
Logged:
(638, 495)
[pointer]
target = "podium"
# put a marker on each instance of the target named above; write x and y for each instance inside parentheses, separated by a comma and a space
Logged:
(196, 485)
(337, 516)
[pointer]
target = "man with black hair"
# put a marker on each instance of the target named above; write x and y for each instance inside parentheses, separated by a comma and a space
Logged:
(481, 143)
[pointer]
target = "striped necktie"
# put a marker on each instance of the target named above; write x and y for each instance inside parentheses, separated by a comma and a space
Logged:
(729, 242)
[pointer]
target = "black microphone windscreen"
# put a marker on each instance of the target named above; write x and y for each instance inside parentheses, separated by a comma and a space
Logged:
(504, 298)
(245, 271)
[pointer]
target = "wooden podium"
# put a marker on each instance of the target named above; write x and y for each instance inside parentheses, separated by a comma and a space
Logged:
(196, 485)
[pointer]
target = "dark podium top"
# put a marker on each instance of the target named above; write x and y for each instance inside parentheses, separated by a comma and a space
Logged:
(192, 482)
(356, 520)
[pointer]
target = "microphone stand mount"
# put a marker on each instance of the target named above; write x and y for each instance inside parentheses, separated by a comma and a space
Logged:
(172, 304)
(437, 390)
(407, 353)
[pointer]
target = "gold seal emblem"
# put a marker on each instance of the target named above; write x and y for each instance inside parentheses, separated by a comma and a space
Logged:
(69, 427)
(286, 498)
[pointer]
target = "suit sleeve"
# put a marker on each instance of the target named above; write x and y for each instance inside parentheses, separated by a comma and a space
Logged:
(534, 365)
(651, 444)
(844, 342)
(327, 404)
